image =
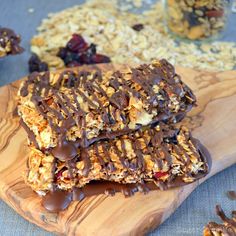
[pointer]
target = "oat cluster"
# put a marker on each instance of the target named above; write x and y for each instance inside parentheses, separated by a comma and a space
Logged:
(114, 33)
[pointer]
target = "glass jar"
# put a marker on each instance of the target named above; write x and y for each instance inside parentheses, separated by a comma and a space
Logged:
(197, 19)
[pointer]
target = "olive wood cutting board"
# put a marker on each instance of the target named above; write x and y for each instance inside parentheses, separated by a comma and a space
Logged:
(213, 122)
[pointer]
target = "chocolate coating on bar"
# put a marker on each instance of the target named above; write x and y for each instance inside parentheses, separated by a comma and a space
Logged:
(65, 150)
(30, 133)
(58, 199)
(144, 77)
(206, 158)
(158, 143)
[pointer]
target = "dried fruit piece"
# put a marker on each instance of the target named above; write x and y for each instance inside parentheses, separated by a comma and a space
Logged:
(196, 32)
(160, 174)
(35, 64)
(99, 58)
(73, 64)
(77, 52)
(215, 13)
(138, 27)
(77, 44)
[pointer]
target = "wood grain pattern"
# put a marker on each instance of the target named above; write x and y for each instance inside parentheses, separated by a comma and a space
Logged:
(213, 122)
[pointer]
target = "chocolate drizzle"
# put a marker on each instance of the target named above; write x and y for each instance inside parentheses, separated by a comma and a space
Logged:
(82, 84)
(65, 150)
(30, 133)
(62, 111)
(110, 188)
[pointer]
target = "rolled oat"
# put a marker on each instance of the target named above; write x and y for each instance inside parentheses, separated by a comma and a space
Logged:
(112, 31)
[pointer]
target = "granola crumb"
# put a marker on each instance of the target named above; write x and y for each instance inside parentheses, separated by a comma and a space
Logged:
(31, 10)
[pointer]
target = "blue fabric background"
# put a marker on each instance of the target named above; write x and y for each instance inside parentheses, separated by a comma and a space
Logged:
(193, 214)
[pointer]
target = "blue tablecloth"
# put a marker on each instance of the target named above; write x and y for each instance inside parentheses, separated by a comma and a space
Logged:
(193, 214)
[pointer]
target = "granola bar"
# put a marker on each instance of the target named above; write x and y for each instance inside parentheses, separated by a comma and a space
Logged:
(9, 42)
(161, 156)
(228, 228)
(71, 110)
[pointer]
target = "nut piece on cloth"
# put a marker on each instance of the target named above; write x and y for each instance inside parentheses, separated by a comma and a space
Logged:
(9, 42)
(227, 228)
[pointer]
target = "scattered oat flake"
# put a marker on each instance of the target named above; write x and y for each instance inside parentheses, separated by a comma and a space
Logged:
(31, 10)
(112, 32)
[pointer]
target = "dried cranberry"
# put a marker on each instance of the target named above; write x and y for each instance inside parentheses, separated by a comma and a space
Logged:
(86, 57)
(35, 64)
(70, 56)
(99, 58)
(49, 101)
(138, 27)
(73, 64)
(92, 49)
(77, 44)
(215, 13)
(62, 53)
(160, 174)
(77, 52)
(59, 174)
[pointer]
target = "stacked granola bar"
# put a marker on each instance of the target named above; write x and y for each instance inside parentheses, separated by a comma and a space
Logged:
(115, 128)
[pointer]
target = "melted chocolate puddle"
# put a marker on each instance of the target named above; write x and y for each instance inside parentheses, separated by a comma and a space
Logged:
(59, 200)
